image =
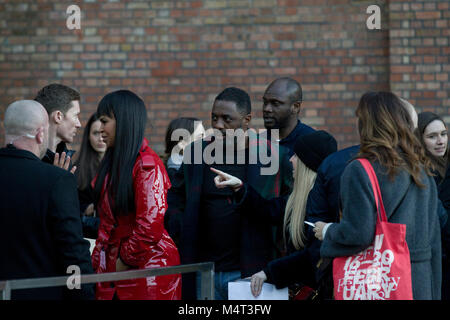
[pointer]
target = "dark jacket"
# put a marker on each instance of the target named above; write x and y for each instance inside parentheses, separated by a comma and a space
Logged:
(49, 156)
(322, 205)
(271, 210)
(40, 227)
(289, 141)
(444, 196)
(172, 218)
(323, 199)
(184, 199)
(285, 270)
(405, 203)
(444, 190)
(86, 196)
(90, 223)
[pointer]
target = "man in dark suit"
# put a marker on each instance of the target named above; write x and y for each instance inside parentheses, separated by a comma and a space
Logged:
(212, 226)
(40, 226)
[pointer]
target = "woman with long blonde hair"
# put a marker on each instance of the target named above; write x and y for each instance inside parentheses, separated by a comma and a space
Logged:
(294, 215)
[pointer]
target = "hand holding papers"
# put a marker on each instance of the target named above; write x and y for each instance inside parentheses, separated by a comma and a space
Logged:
(240, 290)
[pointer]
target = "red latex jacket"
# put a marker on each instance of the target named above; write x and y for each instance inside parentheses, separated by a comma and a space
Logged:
(140, 237)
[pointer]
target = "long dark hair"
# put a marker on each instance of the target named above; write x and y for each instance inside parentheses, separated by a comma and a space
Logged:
(88, 160)
(131, 116)
(439, 163)
(386, 134)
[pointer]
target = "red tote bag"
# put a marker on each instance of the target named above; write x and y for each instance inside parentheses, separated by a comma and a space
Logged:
(383, 270)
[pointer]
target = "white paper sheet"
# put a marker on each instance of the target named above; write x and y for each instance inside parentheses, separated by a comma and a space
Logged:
(240, 290)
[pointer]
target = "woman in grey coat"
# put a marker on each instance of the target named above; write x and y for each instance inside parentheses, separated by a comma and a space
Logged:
(408, 192)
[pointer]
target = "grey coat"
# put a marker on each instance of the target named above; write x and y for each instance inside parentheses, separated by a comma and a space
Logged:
(405, 203)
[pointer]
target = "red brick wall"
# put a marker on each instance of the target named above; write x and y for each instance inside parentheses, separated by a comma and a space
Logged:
(178, 55)
(419, 53)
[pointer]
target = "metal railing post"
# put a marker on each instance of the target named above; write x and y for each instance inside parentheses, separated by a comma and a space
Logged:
(5, 289)
(207, 283)
(206, 270)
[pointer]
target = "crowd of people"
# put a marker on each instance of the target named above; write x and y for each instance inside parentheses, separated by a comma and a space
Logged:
(208, 198)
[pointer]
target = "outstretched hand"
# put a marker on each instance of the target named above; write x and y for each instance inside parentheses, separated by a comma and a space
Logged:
(63, 162)
(223, 180)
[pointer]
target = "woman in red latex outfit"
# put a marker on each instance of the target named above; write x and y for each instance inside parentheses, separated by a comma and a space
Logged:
(131, 188)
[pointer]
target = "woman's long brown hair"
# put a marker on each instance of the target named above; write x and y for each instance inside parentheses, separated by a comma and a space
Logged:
(387, 135)
(87, 160)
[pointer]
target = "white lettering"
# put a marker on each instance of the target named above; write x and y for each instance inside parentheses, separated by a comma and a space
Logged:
(74, 20)
(195, 310)
(366, 275)
(74, 281)
(374, 21)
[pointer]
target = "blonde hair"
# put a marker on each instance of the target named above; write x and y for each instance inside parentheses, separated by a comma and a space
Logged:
(294, 215)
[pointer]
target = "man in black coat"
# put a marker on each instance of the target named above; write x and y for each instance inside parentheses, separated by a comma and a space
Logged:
(212, 227)
(40, 227)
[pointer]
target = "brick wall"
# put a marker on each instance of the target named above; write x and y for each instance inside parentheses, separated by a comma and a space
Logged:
(178, 55)
(419, 53)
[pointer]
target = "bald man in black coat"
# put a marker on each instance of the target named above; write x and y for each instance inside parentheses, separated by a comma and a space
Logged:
(40, 226)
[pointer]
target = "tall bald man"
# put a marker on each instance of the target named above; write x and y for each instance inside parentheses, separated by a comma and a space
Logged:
(40, 226)
(282, 102)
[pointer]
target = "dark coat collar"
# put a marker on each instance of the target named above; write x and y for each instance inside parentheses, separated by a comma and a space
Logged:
(49, 156)
(12, 151)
